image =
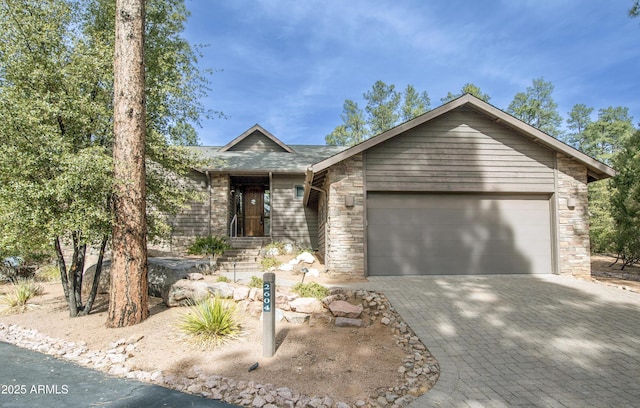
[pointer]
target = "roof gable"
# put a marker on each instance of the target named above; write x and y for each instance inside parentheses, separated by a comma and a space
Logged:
(256, 139)
(596, 169)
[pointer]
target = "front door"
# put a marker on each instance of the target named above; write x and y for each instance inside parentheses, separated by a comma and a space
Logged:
(253, 211)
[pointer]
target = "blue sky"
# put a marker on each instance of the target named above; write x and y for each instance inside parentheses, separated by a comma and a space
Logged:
(289, 65)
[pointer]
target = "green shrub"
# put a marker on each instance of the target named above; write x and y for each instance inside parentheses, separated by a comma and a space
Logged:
(255, 282)
(311, 289)
(211, 322)
(222, 279)
(210, 245)
(16, 300)
(269, 262)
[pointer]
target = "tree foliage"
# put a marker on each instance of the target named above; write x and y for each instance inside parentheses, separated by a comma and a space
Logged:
(468, 88)
(385, 108)
(634, 11)
(537, 107)
(625, 201)
(603, 140)
(56, 126)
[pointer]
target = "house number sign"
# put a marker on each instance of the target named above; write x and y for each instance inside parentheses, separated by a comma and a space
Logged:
(268, 314)
(266, 297)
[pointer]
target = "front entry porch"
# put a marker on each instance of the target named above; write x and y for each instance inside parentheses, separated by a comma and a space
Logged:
(251, 204)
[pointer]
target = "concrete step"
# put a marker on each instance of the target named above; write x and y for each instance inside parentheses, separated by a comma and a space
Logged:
(248, 242)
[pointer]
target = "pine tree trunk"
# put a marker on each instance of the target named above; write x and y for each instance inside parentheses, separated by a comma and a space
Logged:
(128, 298)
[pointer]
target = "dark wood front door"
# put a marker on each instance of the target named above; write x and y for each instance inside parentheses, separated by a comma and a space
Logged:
(254, 211)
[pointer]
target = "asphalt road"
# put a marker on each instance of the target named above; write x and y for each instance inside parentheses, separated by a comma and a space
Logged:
(30, 379)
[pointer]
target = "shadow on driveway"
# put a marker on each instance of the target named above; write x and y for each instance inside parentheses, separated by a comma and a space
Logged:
(523, 340)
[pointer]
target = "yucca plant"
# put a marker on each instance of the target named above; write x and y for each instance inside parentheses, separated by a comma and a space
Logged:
(211, 322)
(16, 300)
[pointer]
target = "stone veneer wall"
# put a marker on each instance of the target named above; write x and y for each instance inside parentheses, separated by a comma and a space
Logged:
(573, 224)
(219, 205)
(344, 246)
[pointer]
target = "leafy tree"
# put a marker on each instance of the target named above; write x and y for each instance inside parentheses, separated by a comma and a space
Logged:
(382, 107)
(56, 127)
(625, 201)
(415, 103)
(353, 129)
(384, 110)
(579, 119)
(537, 107)
(129, 293)
(603, 138)
(468, 88)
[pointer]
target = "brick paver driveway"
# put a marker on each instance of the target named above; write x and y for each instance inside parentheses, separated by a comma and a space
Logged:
(507, 341)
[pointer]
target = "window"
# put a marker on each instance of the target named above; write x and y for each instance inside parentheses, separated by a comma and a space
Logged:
(299, 192)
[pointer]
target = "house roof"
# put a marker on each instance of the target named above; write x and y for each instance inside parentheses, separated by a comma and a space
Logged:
(597, 170)
(257, 151)
(256, 129)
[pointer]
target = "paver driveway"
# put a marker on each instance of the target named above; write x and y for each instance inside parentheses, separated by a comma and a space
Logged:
(507, 341)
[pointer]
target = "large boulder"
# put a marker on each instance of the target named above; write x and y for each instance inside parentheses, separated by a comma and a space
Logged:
(187, 292)
(306, 305)
(163, 272)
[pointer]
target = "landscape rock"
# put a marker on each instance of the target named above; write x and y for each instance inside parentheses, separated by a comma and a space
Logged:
(222, 289)
(306, 257)
(241, 293)
(186, 292)
(195, 276)
(348, 322)
(285, 267)
(296, 318)
(307, 305)
(341, 308)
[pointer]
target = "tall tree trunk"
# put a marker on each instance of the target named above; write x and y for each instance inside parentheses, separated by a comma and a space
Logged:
(128, 298)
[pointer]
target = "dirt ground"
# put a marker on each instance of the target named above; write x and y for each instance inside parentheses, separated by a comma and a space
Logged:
(603, 271)
(347, 364)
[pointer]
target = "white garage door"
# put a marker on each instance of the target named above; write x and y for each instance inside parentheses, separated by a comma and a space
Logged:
(458, 234)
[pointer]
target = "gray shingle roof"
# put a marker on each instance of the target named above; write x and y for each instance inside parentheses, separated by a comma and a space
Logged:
(278, 162)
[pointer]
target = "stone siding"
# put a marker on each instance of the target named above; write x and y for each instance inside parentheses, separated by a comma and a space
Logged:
(573, 223)
(220, 205)
(344, 241)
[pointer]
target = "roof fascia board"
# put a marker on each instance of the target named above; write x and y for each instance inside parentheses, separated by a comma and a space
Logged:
(262, 130)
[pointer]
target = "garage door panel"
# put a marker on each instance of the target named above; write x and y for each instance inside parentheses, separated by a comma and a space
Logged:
(412, 234)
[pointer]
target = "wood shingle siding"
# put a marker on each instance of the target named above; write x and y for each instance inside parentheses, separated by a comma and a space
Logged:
(290, 220)
(460, 151)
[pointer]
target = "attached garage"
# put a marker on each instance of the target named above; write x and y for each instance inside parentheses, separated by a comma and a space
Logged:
(439, 234)
(464, 189)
